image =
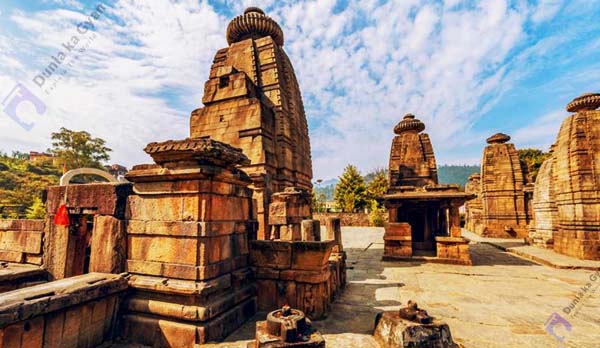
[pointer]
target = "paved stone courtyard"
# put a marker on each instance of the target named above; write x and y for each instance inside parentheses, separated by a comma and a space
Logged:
(501, 301)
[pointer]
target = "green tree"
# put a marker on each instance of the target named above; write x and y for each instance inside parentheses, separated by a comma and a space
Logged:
(532, 160)
(37, 210)
(377, 186)
(351, 191)
(377, 214)
(79, 149)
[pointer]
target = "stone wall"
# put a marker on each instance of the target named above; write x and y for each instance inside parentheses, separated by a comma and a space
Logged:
(77, 312)
(21, 241)
(21, 249)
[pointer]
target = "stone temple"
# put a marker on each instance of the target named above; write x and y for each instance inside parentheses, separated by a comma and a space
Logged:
(566, 200)
(474, 208)
(172, 258)
(545, 213)
(424, 218)
(252, 101)
(504, 199)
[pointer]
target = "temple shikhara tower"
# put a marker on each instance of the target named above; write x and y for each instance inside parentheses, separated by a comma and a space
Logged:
(503, 180)
(567, 204)
(252, 101)
(424, 218)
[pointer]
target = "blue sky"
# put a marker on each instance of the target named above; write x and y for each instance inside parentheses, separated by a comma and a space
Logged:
(468, 69)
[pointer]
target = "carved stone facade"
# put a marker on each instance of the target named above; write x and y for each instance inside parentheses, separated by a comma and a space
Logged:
(503, 179)
(424, 220)
(576, 180)
(253, 102)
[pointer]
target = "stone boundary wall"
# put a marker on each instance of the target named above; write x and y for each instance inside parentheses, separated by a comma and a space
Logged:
(21, 241)
(348, 219)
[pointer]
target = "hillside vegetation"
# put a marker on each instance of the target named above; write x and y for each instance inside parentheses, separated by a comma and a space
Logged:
(22, 183)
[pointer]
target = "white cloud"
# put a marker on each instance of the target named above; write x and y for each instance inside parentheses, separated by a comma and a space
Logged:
(361, 68)
(546, 9)
(113, 89)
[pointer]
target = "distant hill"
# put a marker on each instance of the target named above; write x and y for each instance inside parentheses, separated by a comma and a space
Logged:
(456, 174)
(447, 174)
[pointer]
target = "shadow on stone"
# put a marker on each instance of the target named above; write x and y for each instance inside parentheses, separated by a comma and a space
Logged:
(487, 255)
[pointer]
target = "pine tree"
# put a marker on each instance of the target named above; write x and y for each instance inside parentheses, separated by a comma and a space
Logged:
(351, 191)
(378, 186)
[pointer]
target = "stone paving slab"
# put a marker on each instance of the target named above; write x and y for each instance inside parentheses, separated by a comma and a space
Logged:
(544, 256)
(501, 301)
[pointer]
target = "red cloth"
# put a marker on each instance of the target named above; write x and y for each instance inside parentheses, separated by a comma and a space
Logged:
(62, 216)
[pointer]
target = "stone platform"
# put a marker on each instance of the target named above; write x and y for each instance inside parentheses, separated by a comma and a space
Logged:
(546, 257)
(501, 301)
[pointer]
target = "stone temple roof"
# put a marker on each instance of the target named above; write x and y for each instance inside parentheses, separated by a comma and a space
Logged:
(588, 101)
(408, 123)
(498, 138)
(253, 24)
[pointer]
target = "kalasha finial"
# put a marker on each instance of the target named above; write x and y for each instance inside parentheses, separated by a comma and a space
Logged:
(498, 138)
(409, 123)
(253, 24)
(585, 102)
(253, 9)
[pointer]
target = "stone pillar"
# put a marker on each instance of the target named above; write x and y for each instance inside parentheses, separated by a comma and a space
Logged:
(334, 232)
(454, 217)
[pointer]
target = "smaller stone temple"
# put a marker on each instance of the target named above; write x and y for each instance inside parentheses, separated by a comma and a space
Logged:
(424, 218)
(545, 212)
(503, 197)
(474, 208)
(566, 200)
